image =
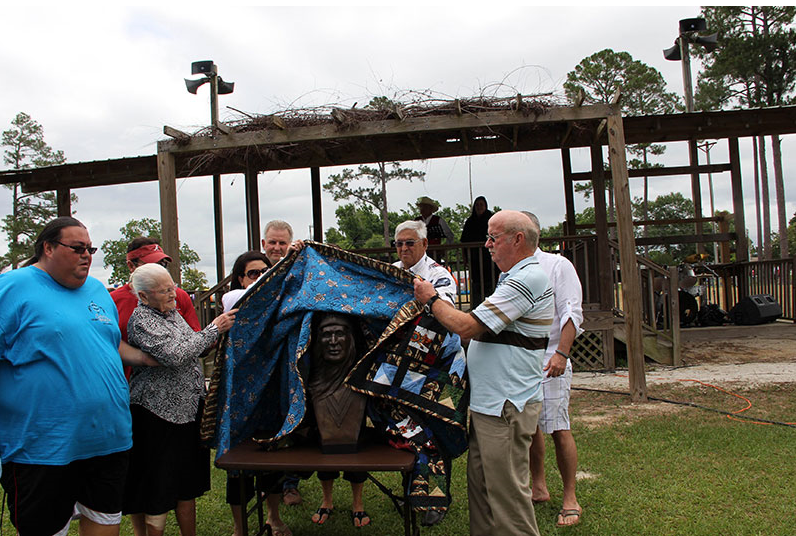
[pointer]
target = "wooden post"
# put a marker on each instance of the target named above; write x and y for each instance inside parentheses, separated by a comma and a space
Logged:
(742, 245)
(317, 209)
(724, 247)
(167, 180)
(696, 192)
(674, 309)
(603, 261)
(569, 191)
(218, 219)
(631, 282)
(252, 210)
(792, 287)
(63, 198)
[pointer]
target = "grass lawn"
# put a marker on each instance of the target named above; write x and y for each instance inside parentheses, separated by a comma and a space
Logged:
(657, 469)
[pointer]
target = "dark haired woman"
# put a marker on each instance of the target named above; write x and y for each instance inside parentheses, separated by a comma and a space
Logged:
(478, 259)
(247, 269)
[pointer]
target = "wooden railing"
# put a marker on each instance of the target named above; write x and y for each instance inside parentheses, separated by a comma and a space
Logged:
(208, 303)
(660, 302)
(659, 284)
(739, 280)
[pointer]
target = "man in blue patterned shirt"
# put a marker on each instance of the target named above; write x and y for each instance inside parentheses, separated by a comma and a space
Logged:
(509, 333)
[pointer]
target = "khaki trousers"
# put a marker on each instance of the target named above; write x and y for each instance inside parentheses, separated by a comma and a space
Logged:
(498, 475)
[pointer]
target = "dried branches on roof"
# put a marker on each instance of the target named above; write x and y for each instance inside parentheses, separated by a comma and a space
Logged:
(382, 108)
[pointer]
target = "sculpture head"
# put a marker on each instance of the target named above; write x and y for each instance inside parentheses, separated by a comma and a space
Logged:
(336, 339)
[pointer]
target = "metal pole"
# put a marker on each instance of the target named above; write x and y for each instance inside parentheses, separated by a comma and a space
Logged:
(689, 95)
(217, 208)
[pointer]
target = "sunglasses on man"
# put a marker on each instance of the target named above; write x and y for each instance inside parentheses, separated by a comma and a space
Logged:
(79, 249)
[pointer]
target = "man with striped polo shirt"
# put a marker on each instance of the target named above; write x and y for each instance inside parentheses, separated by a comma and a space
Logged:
(509, 333)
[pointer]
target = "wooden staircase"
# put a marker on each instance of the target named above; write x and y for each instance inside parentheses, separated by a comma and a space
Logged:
(660, 310)
(656, 347)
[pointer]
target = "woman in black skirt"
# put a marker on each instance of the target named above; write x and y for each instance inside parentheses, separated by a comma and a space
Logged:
(168, 466)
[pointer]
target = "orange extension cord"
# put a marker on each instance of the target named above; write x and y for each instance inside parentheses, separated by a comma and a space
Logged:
(729, 415)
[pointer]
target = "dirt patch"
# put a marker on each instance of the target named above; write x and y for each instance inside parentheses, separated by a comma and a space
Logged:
(738, 363)
(743, 350)
(593, 413)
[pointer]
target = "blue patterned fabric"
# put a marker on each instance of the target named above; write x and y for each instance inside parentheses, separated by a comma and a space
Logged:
(257, 387)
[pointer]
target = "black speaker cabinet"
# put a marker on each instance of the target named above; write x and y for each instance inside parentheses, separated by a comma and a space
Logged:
(757, 309)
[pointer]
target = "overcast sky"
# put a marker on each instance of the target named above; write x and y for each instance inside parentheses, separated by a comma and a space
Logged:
(103, 82)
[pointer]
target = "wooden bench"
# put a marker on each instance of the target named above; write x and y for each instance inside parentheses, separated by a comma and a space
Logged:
(249, 456)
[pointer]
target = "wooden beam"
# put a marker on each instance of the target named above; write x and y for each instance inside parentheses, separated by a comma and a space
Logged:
(338, 115)
(684, 239)
(390, 145)
(660, 171)
(579, 98)
(320, 151)
(465, 142)
(367, 149)
(169, 231)
(174, 133)
(414, 139)
(63, 200)
(218, 220)
(389, 126)
(742, 245)
(666, 221)
(598, 133)
(674, 307)
(569, 191)
(565, 137)
(696, 189)
(252, 210)
(631, 281)
(317, 205)
(604, 269)
(278, 122)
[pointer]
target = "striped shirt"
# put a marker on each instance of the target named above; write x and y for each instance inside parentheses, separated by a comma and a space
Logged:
(505, 363)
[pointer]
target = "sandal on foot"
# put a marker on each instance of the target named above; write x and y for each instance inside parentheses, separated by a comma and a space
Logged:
(565, 513)
(361, 516)
(320, 512)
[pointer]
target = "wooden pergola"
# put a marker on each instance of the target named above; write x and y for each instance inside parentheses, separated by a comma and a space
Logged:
(342, 140)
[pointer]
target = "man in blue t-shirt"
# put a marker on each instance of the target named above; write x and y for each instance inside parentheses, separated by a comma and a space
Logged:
(65, 425)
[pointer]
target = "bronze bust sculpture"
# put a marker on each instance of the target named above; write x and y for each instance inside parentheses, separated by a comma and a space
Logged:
(339, 410)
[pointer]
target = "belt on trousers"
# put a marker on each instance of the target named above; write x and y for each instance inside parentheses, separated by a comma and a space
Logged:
(512, 338)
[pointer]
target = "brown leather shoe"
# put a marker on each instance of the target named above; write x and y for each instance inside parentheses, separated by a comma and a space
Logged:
(291, 497)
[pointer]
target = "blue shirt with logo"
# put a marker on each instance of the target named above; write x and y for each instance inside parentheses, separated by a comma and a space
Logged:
(63, 395)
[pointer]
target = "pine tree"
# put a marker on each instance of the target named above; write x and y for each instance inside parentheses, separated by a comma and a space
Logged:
(754, 65)
(25, 148)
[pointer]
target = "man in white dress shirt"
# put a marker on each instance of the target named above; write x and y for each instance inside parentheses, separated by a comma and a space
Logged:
(554, 419)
